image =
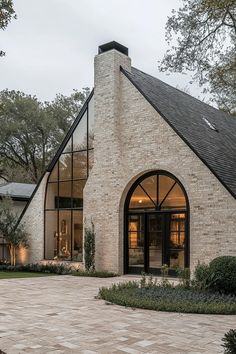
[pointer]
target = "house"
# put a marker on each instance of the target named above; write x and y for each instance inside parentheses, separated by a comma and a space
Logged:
(20, 194)
(152, 167)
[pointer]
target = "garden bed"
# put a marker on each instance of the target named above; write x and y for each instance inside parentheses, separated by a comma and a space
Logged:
(96, 274)
(169, 298)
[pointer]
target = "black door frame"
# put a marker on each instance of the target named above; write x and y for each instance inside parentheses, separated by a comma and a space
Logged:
(127, 213)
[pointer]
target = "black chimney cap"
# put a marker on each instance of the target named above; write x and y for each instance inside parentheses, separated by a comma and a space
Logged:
(113, 45)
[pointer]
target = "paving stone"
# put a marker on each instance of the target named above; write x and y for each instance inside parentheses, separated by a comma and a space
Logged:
(59, 315)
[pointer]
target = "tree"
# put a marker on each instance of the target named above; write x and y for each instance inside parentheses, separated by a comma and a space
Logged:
(7, 13)
(204, 37)
(31, 131)
(89, 248)
(13, 233)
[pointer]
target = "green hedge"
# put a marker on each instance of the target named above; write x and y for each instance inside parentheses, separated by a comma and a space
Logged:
(222, 274)
(98, 274)
(218, 276)
(169, 298)
(38, 267)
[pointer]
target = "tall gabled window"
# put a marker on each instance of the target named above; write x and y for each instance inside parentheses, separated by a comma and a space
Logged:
(64, 195)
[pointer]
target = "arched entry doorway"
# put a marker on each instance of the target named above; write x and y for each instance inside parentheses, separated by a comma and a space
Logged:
(156, 224)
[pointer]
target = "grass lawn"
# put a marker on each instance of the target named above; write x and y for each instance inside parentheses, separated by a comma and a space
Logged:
(12, 275)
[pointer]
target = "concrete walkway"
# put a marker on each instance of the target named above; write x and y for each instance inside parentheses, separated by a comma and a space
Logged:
(59, 314)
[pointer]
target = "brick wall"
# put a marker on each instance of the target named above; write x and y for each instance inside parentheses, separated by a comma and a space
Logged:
(34, 223)
(131, 139)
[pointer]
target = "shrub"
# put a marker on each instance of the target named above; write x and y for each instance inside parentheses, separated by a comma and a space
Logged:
(184, 277)
(39, 267)
(164, 274)
(222, 275)
(147, 281)
(89, 248)
(229, 342)
(169, 298)
(201, 276)
(98, 274)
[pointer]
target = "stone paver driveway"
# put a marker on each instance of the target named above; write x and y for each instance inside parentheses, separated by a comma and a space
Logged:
(59, 314)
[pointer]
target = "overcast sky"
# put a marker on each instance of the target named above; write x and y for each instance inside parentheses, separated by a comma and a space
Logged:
(51, 46)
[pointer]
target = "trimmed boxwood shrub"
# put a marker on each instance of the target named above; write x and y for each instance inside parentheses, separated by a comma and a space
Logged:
(229, 341)
(218, 276)
(222, 275)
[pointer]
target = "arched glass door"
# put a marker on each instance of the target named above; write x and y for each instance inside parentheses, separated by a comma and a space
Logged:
(156, 224)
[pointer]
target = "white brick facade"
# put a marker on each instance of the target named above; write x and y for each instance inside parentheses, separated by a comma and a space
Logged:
(33, 220)
(131, 138)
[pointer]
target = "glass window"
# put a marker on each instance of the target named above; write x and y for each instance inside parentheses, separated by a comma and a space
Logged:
(51, 234)
(52, 194)
(150, 187)
(68, 147)
(136, 241)
(65, 167)
(80, 135)
(64, 198)
(165, 184)
(161, 236)
(64, 237)
(80, 164)
(140, 199)
(54, 174)
(175, 199)
(78, 187)
(91, 123)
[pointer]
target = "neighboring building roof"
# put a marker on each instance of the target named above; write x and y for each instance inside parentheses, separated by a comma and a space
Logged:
(210, 133)
(3, 180)
(17, 191)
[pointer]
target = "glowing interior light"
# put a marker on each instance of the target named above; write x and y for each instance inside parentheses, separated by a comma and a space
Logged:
(140, 201)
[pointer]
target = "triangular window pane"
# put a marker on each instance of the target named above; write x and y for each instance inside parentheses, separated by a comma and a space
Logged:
(80, 134)
(68, 147)
(175, 199)
(140, 199)
(165, 183)
(150, 187)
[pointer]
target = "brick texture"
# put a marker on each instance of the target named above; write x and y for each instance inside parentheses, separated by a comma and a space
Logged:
(131, 139)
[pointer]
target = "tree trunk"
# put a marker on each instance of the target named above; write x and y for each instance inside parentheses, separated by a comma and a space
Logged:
(11, 250)
(14, 256)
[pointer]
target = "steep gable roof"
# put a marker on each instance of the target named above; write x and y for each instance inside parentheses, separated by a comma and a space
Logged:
(210, 133)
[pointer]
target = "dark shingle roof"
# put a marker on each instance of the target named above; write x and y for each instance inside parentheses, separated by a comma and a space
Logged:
(17, 190)
(192, 120)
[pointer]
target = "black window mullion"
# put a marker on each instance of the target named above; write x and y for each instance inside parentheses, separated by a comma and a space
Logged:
(157, 191)
(87, 140)
(167, 194)
(147, 195)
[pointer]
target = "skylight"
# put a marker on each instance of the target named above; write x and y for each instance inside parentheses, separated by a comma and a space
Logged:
(210, 125)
